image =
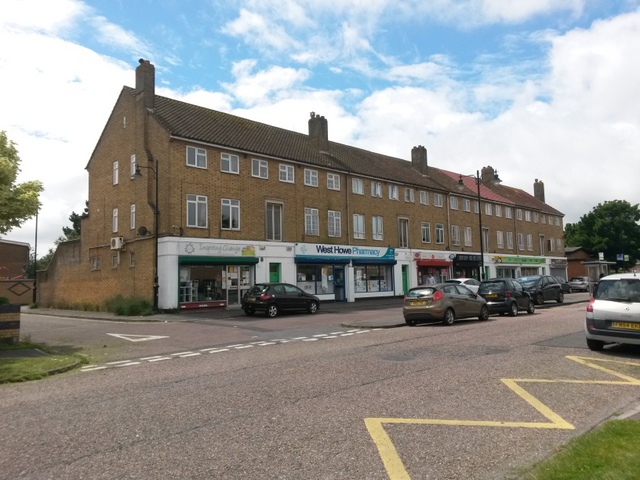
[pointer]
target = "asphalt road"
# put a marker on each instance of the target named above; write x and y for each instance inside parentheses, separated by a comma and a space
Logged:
(304, 397)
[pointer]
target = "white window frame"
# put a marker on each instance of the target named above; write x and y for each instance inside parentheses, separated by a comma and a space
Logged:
(196, 157)
(518, 213)
(455, 235)
(133, 165)
(468, 237)
(276, 224)
(498, 210)
(335, 224)
(439, 233)
(377, 227)
(557, 221)
(376, 189)
(310, 177)
(199, 204)
(286, 173)
(509, 240)
(114, 223)
(231, 206)
(259, 168)
(476, 207)
(437, 200)
(543, 218)
(529, 242)
(520, 241)
(527, 215)
(393, 192)
(424, 197)
(488, 208)
(333, 181)
(229, 163)
(425, 227)
(132, 217)
(409, 195)
(311, 221)
(466, 204)
(500, 239)
(507, 212)
(358, 226)
(453, 202)
(403, 232)
(115, 173)
(357, 186)
(536, 217)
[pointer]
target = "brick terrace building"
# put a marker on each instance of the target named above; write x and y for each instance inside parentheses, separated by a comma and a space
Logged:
(241, 202)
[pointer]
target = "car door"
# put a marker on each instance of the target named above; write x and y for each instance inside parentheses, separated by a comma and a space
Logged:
(295, 298)
(550, 288)
(522, 299)
(468, 301)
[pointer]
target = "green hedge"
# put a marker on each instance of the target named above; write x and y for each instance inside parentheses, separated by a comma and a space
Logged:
(120, 305)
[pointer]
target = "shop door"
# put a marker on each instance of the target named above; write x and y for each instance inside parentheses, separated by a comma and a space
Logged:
(405, 279)
(238, 282)
(338, 284)
(274, 272)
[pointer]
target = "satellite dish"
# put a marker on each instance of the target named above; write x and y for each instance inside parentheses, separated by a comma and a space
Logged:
(142, 231)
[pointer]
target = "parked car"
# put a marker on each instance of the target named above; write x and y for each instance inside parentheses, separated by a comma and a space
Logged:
(579, 284)
(273, 298)
(443, 302)
(566, 288)
(613, 313)
(542, 288)
(505, 295)
(471, 283)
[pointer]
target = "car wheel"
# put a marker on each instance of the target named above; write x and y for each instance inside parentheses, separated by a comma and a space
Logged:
(531, 308)
(570, 290)
(484, 313)
(539, 298)
(449, 317)
(513, 309)
(250, 311)
(595, 345)
(272, 310)
(313, 307)
(560, 297)
(411, 322)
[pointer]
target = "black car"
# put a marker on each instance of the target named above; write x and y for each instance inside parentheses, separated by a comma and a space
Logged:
(542, 288)
(566, 286)
(273, 298)
(505, 295)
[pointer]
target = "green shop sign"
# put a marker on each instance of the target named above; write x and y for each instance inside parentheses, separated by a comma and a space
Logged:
(520, 260)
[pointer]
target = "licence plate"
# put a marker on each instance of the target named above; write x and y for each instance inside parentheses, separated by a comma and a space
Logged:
(627, 325)
(417, 304)
(491, 295)
(251, 299)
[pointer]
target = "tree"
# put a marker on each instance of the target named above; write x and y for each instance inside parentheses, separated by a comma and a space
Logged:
(611, 228)
(73, 232)
(18, 202)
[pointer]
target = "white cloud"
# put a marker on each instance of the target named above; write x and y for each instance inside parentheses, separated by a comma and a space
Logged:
(260, 31)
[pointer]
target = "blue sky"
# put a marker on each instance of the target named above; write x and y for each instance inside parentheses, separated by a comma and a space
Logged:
(538, 89)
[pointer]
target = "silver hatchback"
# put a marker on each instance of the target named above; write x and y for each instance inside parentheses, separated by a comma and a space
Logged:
(613, 313)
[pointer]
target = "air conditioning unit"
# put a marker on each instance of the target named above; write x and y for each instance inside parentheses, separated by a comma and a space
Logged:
(117, 243)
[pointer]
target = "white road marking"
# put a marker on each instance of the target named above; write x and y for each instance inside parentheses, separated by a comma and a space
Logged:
(181, 353)
(119, 361)
(346, 334)
(85, 369)
(243, 346)
(160, 359)
(189, 355)
(219, 350)
(299, 338)
(266, 343)
(136, 338)
(331, 336)
(310, 339)
(321, 335)
(128, 364)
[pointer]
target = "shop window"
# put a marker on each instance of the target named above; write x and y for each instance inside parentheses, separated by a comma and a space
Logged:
(372, 278)
(315, 279)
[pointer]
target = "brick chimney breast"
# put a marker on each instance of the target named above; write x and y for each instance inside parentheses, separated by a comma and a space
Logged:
(419, 159)
(487, 174)
(319, 131)
(146, 82)
(538, 190)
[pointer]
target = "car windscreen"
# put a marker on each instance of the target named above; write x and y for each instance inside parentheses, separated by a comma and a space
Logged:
(486, 287)
(528, 281)
(620, 290)
(421, 292)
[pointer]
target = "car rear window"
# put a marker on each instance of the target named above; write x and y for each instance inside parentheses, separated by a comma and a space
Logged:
(619, 290)
(421, 292)
(486, 287)
(258, 289)
(528, 281)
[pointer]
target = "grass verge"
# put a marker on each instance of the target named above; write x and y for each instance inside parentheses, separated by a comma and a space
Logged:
(22, 369)
(609, 452)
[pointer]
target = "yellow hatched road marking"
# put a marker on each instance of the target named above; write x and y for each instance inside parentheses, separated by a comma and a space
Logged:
(393, 463)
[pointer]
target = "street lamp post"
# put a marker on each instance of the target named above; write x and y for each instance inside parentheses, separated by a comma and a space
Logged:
(156, 213)
(477, 179)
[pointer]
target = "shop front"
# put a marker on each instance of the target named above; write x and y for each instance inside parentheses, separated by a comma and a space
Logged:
(341, 272)
(558, 267)
(466, 266)
(215, 275)
(514, 267)
(435, 265)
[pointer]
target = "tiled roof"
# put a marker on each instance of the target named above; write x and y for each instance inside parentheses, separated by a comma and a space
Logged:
(201, 124)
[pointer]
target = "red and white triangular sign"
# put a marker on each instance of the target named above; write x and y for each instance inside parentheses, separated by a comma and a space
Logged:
(136, 338)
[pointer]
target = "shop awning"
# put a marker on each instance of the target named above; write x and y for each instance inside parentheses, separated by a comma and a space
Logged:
(433, 263)
(374, 261)
(301, 259)
(200, 260)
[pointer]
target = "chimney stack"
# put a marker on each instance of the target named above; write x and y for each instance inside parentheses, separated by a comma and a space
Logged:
(419, 159)
(145, 82)
(538, 190)
(319, 131)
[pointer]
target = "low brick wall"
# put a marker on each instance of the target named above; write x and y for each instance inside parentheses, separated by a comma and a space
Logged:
(10, 323)
(18, 291)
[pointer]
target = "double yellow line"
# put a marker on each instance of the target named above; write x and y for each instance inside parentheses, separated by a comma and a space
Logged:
(391, 459)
